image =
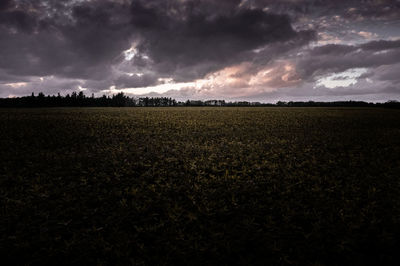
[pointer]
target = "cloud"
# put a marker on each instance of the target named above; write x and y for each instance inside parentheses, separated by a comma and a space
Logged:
(134, 80)
(5, 4)
(381, 45)
(353, 9)
(238, 80)
(367, 35)
(338, 58)
(80, 42)
(188, 43)
(384, 73)
(225, 48)
(331, 70)
(48, 85)
(86, 40)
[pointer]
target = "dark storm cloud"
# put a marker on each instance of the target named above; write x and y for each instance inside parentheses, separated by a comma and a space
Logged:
(176, 41)
(133, 81)
(179, 39)
(4, 4)
(332, 49)
(17, 20)
(380, 45)
(81, 44)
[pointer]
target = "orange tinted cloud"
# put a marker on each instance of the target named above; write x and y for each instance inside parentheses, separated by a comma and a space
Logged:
(243, 79)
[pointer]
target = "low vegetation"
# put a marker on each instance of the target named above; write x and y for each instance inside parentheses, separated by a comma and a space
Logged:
(200, 186)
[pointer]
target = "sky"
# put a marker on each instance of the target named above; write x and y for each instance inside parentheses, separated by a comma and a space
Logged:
(255, 50)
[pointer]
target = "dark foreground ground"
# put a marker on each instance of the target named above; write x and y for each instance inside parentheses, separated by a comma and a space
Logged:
(313, 186)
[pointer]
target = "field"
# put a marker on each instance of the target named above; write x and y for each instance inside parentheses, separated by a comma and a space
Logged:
(200, 186)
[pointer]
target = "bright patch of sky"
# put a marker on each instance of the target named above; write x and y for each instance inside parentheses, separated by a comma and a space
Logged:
(342, 79)
(130, 53)
(162, 88)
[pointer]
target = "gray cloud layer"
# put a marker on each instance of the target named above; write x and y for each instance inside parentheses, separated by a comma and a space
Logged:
(338, 58)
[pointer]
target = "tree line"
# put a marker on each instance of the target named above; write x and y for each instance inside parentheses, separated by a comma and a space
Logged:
(79, 99)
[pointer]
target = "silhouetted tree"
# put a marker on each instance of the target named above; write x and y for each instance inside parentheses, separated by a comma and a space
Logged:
(120, 100)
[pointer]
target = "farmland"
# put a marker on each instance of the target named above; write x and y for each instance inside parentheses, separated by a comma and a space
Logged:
(316, 186)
